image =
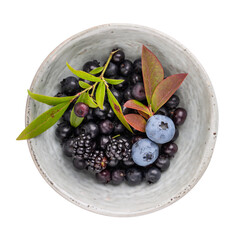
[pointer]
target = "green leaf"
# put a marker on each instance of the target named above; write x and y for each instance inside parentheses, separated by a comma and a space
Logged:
(166, 89)
(84, 85)
(83, 74)
(114, 81)
(50, 100)
(90, 102)
(117, 109)
(152, 72)
(100, 94)
(136, 121)
(75, 121)
(44, 121)
(97, 70)
(134, 104)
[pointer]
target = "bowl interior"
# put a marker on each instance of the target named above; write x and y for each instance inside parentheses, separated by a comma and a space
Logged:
(196, 140)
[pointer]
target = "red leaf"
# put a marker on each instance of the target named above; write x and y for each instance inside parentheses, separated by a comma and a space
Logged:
(143, 114)
(152, 71)
(134, 104)
(166, 89)
(136, 121)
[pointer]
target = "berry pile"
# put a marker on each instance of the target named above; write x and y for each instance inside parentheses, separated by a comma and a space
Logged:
(103, 146)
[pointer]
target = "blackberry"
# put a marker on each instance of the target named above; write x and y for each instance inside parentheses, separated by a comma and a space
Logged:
(118, 149)
(83, 146)
(96, 162)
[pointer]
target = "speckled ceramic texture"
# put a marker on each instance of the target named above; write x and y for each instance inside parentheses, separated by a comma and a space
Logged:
(197, 136)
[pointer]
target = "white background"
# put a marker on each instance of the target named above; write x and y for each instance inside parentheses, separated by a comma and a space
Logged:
(30, 30)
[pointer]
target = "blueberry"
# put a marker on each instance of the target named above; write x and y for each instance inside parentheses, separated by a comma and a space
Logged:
(137, 66)
(89, 66)
(134, 78)
(88, 128)
(170, 149)
(70, 86)
(79, 163)
(172, 102)
(179, 116)
(144, 152)
(104, 176)
(111, 114)
(134, 176)
(112, 70)
(126, 68)
(162, 162)
(117, 94)
(152, 175)
(67, 147)
(81, 109)
(160, 129)
(63, 131)
(118, 57)
(118, 128)
(128, 94)
(103, 141)
(138, 91)
(101, 113)
(106, 127)
(118, 176)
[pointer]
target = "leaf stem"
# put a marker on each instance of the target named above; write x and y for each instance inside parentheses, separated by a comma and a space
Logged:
(150, 110)
(93, 89)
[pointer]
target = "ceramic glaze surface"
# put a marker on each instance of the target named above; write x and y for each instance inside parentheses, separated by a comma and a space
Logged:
(197, 135)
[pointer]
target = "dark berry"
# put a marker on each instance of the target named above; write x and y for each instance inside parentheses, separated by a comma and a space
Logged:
(136, 138)
(162, 111)
(103, 141)
(67, 147)
(171, 112)
(175, 135)
(90, 128)
(118, 128)
(112, 70)
(118, 176)
(104, 176)
(89, 66)
(89, 116)
(67, 114)
(163, 162)
(106, 127)
(101, 113)
(117, 94)
(111, 114)
(126, 68)
(81, 109)
(121, 86)
(96, 162)
(59, 94)
(152, 175)
(137, 66)
(125, 110)
(170, 149)
(79, 163)
(70, 86)
(129, 163)
(134, 176)
(172, 102)
(63, 131)
(179, 116)
(118, 57)
(134, 78)
(128, 94)
(138, 92)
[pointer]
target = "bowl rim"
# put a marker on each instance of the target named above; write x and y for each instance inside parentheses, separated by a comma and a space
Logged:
(208, 151)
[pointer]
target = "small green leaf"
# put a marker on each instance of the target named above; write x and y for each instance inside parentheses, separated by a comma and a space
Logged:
(97, 70)
(134, 104)
(50, 100)
(114, 81)
(117, 109)
(136, 121)
(84, 85)
(90, 102)
(75, 121)
(100, 94)
(44, 121)
(83, 74)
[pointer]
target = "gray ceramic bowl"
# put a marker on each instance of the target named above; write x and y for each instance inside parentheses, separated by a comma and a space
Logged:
(197, 136)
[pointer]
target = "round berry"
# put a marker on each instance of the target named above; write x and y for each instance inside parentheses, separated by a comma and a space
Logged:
(90, 128)
(121, 86)
(67, 114)
(172, 102)
(111, 114)
(70, 86)
(118, 128)
(103, 141)
(104, 176)
(118, 176)
(89, 66)
(137, 66)
(63, 131)
(170, 149)
(106, 127)
(118, 57)
(163, 162)
(138, 91)
(79, 163)
(89, 116)
(129, 163)
(117, 94)
(134, 176)
(81, 109)
(112, 70)
(160, 129)
(128, 94)
(144, 152)
(152, 175)
(134, 78)
(162, 111)
(136, 138)
(101, 113)
(176, 134)
(179, 116)
(67, 147)
(126, 68)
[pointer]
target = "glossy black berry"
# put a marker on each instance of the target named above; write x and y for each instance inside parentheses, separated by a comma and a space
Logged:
(81, 109)
(136, 138)
(162, 162)
(118, 176)
(106, 127)
(172, 102)
(112, 70)
(162, 111)
(129, 163)
(117, 94)
(118, 57)
(64, 130)
(179, 116)
(103, 141)
(138, 92)
(79, 163)
(90, 128)
(89, 66)
(70, 86)
(175, 137)
(67, 147)
(128, 94)
(121, 86)
(67, 114)
(89, 116)
(152, 175)
(111, 114)
(126, 68)
(118, 128)
(170, 149)
(101, 113)
(104, 176)
(134, 78)
(137, 66)
(134, 176)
